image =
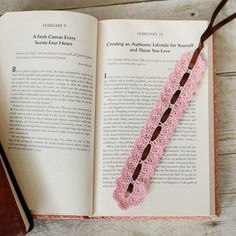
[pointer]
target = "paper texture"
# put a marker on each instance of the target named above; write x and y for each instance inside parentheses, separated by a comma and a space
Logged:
(48, 79)
(129, 81)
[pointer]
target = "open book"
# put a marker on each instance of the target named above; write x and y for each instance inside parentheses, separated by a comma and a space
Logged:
(74, 94)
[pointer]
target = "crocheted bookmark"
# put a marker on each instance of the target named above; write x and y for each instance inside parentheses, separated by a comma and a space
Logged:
(148, 149)
(161, 123)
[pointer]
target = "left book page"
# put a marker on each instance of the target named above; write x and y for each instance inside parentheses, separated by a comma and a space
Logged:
(47, 107)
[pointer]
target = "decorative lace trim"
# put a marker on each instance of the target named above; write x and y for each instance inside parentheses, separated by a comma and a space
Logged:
(136, 185)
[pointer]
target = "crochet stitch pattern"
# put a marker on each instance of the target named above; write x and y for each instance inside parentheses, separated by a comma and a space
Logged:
(147, 150)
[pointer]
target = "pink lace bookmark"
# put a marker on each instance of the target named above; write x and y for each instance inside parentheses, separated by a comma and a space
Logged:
(148, 149)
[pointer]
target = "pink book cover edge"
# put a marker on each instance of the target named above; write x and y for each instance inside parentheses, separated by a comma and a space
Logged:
(217, 198)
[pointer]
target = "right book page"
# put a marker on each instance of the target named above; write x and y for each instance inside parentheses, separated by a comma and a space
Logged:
(135, 58)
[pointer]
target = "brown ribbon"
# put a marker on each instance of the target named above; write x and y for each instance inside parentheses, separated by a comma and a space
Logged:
(210, 30)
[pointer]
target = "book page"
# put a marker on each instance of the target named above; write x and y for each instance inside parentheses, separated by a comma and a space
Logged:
(135, 58)
(47, 90)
